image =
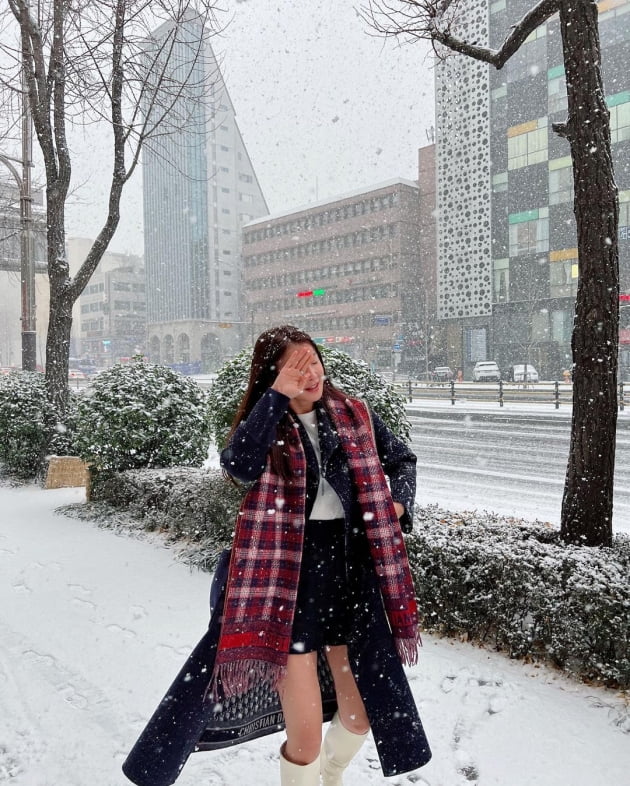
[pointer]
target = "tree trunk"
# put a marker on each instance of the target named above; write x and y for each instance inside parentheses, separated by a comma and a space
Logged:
(60, 311)
(587, 504)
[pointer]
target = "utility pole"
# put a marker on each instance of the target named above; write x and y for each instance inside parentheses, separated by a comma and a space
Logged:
(27, 261)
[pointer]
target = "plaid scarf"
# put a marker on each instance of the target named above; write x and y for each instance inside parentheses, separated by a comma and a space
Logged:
(267, 550)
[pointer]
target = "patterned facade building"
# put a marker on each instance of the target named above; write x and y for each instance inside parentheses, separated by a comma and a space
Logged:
(507, 269)
(340, 270)
(199, 189)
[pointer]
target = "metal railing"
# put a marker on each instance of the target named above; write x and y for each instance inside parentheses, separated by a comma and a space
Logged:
(556, 393)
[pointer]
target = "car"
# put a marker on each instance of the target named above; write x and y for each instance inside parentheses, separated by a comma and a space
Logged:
(442, 374)
(486, 371)
(518, 373)
(75, 373)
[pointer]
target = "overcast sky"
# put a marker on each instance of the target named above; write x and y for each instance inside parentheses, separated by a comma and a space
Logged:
(324, 108)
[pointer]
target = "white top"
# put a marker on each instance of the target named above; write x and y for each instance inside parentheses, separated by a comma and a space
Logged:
(327, 504)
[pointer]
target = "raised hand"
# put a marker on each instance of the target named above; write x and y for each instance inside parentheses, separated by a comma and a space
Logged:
(294, 372)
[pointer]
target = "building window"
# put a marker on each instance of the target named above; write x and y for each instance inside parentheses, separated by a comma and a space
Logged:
(499, 92)
(225, 149)
(529, 232)
(563, 273)
(560, 180)
(501, 280)
(619, 106)
(246, 197)
(527, 144)
(611, 8)
(556, 90)
(561, 326)
(499, 182)
(245, 178)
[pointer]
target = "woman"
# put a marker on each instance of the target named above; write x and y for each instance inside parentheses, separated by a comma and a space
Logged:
(319, 565)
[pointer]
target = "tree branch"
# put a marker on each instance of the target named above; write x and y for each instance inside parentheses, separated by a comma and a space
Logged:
(434, 20)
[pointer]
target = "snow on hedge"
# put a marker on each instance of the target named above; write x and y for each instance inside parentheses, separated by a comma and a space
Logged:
(502, 581)
(142, 415)
(24, 417)
(352, 376)
(515, 585)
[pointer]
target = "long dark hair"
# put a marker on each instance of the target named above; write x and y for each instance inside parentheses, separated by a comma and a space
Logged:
(268, 350)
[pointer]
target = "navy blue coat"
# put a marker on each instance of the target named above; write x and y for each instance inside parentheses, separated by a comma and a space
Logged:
(184, 722)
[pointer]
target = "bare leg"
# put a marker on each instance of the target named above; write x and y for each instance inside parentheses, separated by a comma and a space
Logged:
(349, 702)
(301, 701)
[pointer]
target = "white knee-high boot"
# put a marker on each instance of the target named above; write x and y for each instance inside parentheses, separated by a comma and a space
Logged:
(298, 774)
(340, 746)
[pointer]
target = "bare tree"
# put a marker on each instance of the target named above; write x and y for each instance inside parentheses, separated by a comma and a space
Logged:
(100, 61)
(588, 493)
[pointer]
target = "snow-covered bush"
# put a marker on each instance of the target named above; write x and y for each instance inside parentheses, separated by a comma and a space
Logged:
(142, 415)
(23, 413)
(192, 505)
(352, 376)
(25, 416)
(514, 585)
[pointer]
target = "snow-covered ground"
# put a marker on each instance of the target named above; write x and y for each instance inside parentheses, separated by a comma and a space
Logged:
(94, 625)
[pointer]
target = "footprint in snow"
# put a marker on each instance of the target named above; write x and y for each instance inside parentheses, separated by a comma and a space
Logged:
(70, 695)
(85, 603)
(126, 632)
(79, 588)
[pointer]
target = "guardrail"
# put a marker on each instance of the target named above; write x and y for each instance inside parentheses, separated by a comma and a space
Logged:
(556, 393)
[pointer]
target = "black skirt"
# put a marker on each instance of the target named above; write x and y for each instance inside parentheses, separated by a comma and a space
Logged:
(321, 612)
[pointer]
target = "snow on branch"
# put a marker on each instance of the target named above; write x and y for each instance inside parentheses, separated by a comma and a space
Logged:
(435, 20)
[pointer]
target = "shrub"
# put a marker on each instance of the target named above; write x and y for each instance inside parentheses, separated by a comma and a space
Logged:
(504, 582)
(142, 415)
(352, 376)
(194, 505)
(516, 586)
(24, 410)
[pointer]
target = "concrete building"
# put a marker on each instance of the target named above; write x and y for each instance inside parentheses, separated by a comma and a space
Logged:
(112, 309)
(507, 255)
(344, 270)
(199, 189)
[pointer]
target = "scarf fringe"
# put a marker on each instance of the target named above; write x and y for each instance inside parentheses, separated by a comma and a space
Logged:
(240, 676)
(407, 649)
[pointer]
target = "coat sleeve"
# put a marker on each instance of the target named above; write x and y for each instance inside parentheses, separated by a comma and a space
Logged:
(399, 464)
(245, 455)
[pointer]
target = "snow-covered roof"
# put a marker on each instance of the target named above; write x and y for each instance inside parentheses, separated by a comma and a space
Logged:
(331, 200)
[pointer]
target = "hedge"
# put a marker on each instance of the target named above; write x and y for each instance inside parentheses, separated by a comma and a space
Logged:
(504, 582)
(352, 376)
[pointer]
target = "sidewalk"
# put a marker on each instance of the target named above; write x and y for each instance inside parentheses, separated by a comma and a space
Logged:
(93, 627)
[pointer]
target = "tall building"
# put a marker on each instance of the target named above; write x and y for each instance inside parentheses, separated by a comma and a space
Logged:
(199, 189)
(341, 269)
(507, 258)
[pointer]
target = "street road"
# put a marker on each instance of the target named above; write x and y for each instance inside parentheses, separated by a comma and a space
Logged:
(510, 463)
